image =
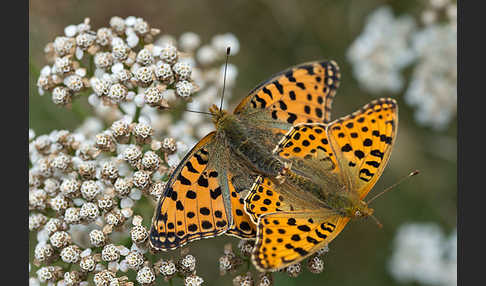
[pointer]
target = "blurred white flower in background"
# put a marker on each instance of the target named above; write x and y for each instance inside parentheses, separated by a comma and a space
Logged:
(423, 254)
(433, 86)
(381, 52)
(387, 45)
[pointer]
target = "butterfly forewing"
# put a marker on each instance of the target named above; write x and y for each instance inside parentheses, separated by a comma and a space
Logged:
(363, 142)
(303, 93)
(192, 206)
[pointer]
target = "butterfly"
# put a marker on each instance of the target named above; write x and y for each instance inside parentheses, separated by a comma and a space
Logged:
(337, 165)
(204, 195)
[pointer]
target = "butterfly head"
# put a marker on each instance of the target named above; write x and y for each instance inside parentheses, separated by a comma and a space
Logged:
(218, 114)
(360, 209)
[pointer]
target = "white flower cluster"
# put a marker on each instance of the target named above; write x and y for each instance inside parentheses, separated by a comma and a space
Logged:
(205, 64)
(423, 254)
(82, 191)
(388, 45)
(127, 78)
(124, 65)
(208, 74)
(433, 86)
(382, 50)
(85, 184)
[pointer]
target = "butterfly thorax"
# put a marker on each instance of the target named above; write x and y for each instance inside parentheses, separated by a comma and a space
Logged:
(240, 140)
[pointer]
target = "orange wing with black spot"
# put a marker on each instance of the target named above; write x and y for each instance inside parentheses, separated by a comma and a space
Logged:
(242, 226)
(303, 93)
(291, 224)
(353, 149)
(363, 143)
(192, 206)
(285, 238)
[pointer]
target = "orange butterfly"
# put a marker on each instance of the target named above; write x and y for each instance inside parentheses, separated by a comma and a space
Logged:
(203, 197)
(336, 165)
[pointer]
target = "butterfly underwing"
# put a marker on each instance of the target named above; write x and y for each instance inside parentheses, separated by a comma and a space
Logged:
(338, 164)
(204, 195)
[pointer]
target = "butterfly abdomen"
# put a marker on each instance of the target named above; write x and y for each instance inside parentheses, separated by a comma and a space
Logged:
(304, 183)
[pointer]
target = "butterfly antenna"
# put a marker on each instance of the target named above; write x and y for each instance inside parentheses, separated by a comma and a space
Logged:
(228, 49)
(377, 221)
(195, 111)
(415, 172)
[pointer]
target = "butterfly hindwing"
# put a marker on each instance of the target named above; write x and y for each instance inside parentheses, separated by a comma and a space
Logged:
(192, 206)
(285, 238)
(242, 227)
(263, 199)
(363, 142)
(303, 93)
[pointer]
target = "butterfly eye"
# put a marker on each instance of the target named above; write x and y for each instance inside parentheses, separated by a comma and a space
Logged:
(357, 213)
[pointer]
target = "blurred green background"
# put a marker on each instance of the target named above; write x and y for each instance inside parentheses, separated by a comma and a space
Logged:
(274, 35)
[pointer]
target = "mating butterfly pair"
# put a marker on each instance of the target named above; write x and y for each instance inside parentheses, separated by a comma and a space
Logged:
(314, 159)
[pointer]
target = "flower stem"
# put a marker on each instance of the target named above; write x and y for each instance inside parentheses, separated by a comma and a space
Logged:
(137, 114)
(90, 72)
(121, 110)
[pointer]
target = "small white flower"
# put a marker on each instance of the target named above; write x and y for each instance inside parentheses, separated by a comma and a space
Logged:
(189, 41)
(116, 67)
(31, 134)
(94, 100)
(136, 194)
(45, 71)
(184, 88)
(139, 100)
(182, 70)
(81, 72)
(70, 31)
(86, 252)
(42, 235)
(145, 275)
(79, 53)
(222, 42)
(206, 55)
(126, 203)
(130, 21)
(124, 266)
(168, 53)
(132, 40)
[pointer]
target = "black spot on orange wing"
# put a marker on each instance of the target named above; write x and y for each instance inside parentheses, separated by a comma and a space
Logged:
(313, 84)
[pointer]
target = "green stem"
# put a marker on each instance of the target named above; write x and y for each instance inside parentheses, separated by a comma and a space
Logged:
(91, 69)
(69, 267)
(121, 110)
(137, 114)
